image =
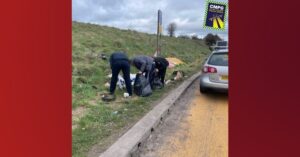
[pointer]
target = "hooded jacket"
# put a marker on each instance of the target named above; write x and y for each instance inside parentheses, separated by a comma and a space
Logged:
(143, 63)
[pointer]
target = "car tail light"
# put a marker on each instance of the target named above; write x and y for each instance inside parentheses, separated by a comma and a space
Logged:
(208, 69)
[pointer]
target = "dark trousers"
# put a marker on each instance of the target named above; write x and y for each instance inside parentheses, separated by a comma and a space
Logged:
(161, 74)
(116, 67)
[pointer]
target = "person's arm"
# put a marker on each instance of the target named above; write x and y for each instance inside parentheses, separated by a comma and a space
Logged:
(167, 63)
(143, 65)
(138, 63)
(110, 60)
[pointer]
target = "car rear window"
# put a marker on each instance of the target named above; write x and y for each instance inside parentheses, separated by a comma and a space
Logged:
(222, 43)
(219, 59)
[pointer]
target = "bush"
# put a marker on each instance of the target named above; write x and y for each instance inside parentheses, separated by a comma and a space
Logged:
(184, 37)
(211, 39)
(195, 37)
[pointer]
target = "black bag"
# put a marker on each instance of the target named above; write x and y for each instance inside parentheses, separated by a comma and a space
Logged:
(157, 84)
(142, 86)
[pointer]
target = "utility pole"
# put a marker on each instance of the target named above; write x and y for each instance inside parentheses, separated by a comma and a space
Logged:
(159, 32)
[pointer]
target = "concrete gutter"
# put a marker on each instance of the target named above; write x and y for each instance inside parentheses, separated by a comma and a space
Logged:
(129, 143)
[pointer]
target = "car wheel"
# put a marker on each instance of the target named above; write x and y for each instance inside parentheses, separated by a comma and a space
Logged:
(203, 89)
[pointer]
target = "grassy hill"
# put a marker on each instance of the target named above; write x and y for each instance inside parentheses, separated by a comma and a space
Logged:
(99, 120)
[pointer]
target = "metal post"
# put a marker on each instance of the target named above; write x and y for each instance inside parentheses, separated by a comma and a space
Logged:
(157, 50)
(159, 32)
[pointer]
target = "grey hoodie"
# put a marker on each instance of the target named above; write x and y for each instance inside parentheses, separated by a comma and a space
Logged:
(143, 63)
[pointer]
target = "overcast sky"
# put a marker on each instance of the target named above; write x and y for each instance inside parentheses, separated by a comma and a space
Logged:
(141, 15)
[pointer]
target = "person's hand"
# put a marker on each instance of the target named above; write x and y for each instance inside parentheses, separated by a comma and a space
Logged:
(156, 70)
(140, 72)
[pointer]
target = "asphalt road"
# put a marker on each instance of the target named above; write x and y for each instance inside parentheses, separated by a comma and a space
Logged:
(196, 127)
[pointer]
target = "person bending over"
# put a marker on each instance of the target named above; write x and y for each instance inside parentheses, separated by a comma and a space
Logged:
(119, 61)
(145, 65)
(161, 65)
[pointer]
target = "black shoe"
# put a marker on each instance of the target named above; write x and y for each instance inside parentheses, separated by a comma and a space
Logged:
(108, 97)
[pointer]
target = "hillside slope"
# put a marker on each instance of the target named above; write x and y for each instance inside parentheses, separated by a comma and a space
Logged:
(89, 72)
(91, 40)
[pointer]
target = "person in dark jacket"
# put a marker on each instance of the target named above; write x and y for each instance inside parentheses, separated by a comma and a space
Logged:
(161, 65)
(119, 61)
(144, 64)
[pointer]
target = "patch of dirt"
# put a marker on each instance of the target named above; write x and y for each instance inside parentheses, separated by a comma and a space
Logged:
(77, 113)
(81, 111)
(196, 127)
(93, 102)
(169, 124)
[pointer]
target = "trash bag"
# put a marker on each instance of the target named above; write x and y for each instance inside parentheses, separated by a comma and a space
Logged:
(178, 75)
(157, 84)
(142, 86)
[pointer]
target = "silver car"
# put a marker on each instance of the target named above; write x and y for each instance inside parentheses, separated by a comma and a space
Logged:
(215, 72)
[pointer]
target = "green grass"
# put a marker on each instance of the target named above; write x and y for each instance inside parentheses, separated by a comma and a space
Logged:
(89, 76)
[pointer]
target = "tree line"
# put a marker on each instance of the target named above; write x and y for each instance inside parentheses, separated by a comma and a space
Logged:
(210, 39)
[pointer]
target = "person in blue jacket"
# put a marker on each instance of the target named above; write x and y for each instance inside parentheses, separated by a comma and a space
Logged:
(119, 61)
